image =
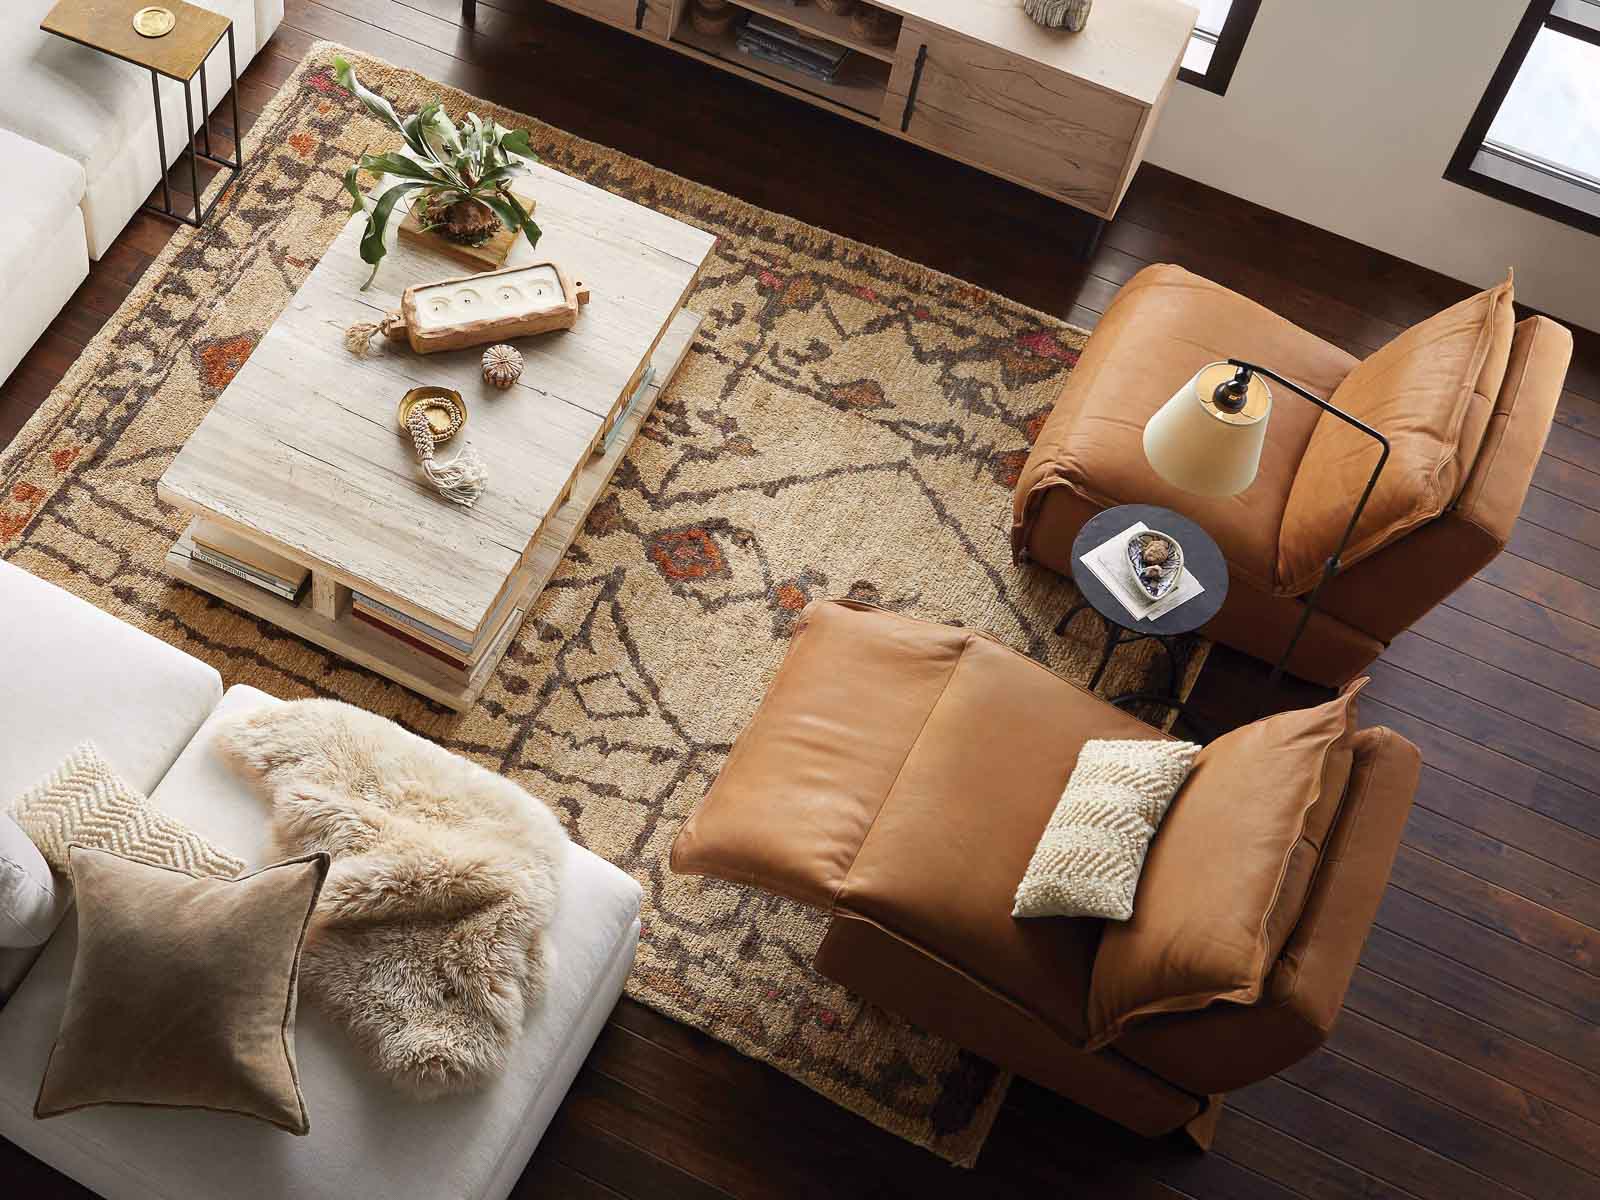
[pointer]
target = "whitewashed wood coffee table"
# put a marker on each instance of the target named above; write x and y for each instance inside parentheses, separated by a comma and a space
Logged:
(302, 455)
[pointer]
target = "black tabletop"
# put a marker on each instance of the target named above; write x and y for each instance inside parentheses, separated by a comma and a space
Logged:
(1201, 558)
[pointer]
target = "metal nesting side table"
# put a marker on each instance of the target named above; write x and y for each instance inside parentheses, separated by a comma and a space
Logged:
(179, 55)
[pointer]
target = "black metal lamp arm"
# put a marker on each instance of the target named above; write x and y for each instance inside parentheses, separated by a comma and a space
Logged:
(1333, 564)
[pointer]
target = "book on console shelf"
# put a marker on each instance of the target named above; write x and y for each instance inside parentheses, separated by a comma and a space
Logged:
(233, 554)
(772, 41)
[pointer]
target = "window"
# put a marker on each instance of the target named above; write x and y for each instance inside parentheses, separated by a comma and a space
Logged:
(1534, 140)
(1218, 39)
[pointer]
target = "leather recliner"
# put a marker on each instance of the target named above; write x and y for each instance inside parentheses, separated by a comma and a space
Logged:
(1162, 327)
(898, 776)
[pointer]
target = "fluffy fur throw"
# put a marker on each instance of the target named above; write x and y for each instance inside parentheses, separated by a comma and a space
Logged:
(428, 940)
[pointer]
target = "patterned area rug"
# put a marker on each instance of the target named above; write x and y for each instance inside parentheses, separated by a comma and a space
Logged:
(846, 423)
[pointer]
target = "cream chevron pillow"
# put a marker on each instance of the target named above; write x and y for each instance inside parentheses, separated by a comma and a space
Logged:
(1087, 863)
(85, 803)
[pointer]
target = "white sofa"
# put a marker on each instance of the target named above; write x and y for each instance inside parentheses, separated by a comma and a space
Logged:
(75, 673)
(75, 117)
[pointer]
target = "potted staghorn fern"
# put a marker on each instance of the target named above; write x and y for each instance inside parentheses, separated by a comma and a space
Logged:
(459, 175)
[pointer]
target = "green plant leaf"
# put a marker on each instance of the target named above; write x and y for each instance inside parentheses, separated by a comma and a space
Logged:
(353, 185)
(372, 247)
(445, 130)
(505, 171)
(472, 142)
(375, 104)
(510, 210)
(402, 166)
(516, 141)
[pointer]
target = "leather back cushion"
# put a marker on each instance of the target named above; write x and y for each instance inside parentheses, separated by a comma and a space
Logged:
(1228, 873)
(1430, 392)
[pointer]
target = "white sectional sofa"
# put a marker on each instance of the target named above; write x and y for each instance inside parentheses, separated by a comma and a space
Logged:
(75, 673)
(61, 101)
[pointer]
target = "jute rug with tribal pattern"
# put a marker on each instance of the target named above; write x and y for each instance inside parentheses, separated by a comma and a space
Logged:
(847, 423)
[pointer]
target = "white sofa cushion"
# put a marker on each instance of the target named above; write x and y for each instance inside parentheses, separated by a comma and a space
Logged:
(43, 254)
(366, 1139)
(74, 673)
(31, 905)
(97, 110)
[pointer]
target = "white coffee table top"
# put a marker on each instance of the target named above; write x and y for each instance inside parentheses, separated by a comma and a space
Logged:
(303, 452)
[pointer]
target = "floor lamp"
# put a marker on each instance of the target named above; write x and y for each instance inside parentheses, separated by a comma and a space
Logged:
(1208, 439)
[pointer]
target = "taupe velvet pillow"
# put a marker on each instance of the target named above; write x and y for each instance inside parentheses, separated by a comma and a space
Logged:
(183, 992)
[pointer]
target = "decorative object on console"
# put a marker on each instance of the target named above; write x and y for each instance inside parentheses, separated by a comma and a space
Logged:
(1268, 794)
(460, 175)
(1088, 860)
(184, 989)
(713, 17)
(1208, 439)
(31, 904)
(1070, 15)
(428, 944)
(86, 803)
(874, 25)
(470, 310)
(1155, 560)
(464, 477)
(839, 8)
(502, 366)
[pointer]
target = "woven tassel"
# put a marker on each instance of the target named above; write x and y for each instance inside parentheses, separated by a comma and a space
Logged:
(462, 479)
(358, 338)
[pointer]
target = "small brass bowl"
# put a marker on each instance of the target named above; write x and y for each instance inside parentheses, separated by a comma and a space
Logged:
(154, 22)
(444, 409)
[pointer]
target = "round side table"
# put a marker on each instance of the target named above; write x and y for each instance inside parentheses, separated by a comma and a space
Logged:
(1201, 558)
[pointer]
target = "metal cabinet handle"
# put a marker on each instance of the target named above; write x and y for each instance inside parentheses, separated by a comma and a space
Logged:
(638, 18)
(916, 82)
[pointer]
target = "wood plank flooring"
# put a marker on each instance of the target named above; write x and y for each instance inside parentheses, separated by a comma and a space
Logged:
(1467, 1063)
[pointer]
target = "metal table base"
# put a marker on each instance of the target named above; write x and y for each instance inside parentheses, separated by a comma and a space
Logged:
(201, 213)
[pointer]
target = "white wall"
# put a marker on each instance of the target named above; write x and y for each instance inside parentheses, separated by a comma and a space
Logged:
(1343, 113)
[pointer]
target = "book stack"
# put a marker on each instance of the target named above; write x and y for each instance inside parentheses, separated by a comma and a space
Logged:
(774, 42)
(437, 643)
(221, 550)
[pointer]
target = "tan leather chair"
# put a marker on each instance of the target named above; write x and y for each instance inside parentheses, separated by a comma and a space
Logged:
(1163, 326)
(898, 776)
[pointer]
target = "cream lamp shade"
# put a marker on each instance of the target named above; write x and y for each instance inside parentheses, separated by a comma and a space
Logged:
(1209, 442)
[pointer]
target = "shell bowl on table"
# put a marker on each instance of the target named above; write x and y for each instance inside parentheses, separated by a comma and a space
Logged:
(1156, 562)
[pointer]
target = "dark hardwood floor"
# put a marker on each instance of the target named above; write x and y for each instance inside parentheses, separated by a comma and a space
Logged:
(1467, 1061)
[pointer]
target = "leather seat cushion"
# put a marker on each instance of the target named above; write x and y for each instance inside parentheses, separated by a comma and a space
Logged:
(1165, 324)
(902, 772)
(1229, 871)
(1430, 392)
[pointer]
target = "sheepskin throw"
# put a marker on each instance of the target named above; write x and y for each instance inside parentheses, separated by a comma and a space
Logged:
(85, 802)
(1087, 863)
(428, 941)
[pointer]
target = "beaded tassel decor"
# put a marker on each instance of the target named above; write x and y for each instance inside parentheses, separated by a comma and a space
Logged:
(462, 479)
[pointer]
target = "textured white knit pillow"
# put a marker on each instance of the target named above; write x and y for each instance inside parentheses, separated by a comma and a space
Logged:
(1087, 863)
(86, 803)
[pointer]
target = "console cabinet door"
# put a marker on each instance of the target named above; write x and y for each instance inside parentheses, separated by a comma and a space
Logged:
(648, 16)
(1014, 117)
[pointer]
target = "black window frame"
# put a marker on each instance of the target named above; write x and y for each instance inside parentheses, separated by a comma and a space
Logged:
(1229, 46)
(1541, 184)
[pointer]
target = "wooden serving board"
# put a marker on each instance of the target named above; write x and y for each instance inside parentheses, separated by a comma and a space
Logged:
(486, 256)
